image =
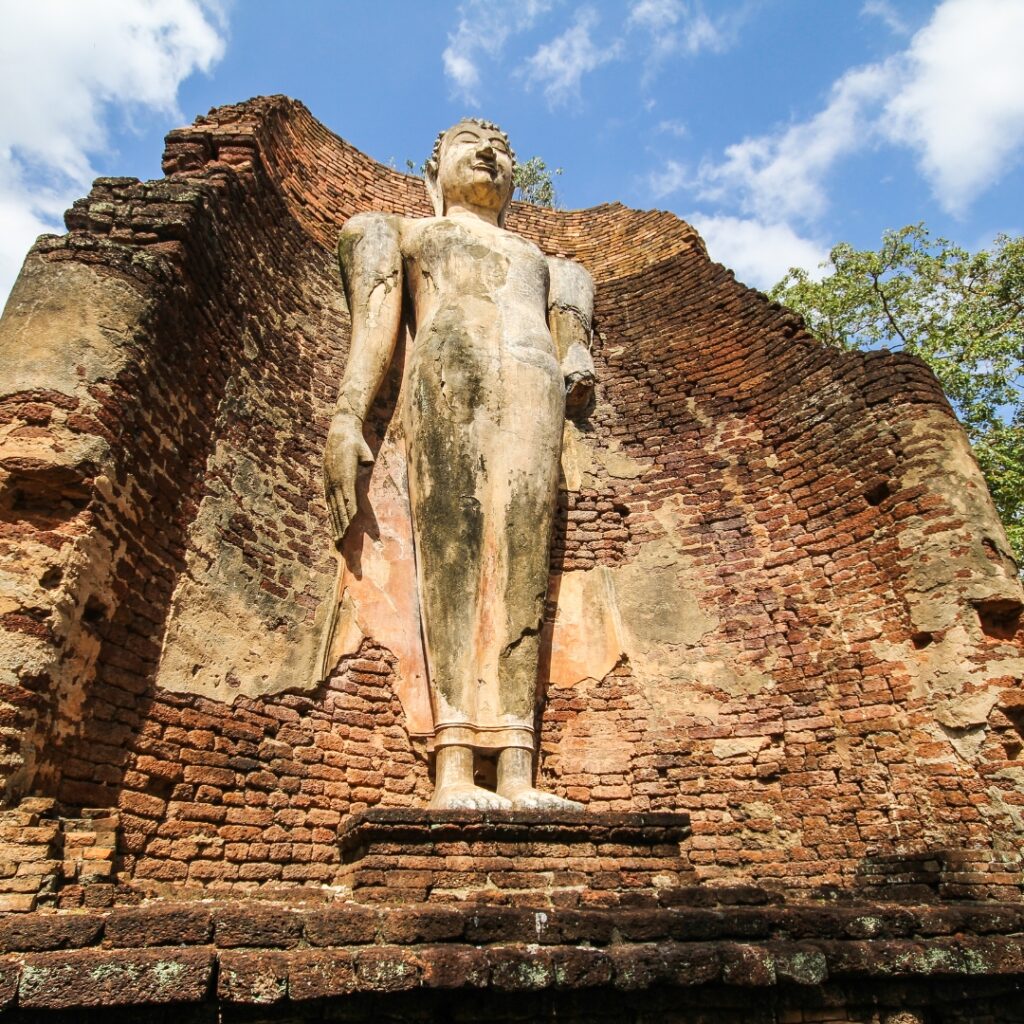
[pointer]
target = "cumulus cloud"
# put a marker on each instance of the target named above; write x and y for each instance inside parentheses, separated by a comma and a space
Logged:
(559, 65)
(484, 28)
(954, 95)
(760, 253)
(960, 100)
(64, 68)
(780, 176)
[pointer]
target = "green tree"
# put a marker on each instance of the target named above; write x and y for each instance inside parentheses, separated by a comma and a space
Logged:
(535, 183)
(961, 312)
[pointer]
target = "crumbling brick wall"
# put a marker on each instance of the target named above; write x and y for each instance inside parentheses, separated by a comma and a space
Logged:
(823, 653)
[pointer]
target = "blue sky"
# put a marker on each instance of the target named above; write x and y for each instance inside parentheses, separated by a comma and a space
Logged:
(777, 127)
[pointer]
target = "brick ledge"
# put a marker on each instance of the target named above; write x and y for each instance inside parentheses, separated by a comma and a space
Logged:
(257, 953)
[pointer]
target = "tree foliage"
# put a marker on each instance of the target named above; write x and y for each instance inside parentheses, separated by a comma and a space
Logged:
(535, 183)
(961, 312)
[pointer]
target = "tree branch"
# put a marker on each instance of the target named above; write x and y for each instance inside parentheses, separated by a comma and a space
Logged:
(885, 308)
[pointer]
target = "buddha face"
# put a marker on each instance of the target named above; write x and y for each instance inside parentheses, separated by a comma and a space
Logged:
(475, 167)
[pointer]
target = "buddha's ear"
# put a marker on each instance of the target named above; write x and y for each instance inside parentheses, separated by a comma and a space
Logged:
(433, 187)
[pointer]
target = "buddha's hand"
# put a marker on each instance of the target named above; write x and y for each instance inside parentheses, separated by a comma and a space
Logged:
(346, 451)
(579, 392)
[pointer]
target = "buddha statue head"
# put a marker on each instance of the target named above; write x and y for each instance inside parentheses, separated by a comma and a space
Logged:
(472, 164)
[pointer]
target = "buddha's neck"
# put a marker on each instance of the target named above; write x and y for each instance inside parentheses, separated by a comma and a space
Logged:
(471, 212)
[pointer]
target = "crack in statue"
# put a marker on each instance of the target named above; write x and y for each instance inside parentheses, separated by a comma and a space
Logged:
(500, 352)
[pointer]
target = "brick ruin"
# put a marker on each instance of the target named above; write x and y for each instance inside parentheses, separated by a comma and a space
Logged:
(812, 645)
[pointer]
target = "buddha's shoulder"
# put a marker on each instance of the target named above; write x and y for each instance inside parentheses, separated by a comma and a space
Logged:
(373, 226)
(373, 222)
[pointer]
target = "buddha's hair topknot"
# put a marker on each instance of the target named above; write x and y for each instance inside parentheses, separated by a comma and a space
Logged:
(435, 156)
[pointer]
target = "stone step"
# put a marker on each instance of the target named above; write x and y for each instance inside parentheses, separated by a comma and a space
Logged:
(535, 858)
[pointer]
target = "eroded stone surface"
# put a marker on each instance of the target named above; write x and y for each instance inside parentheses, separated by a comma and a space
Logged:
(500, 350)
(67, 330)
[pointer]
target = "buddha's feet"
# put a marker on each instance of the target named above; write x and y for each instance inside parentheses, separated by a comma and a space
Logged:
(536, 800)
(468, 798)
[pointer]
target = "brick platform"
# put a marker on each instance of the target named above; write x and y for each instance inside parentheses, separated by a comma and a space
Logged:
(523, 858)
(733, 955)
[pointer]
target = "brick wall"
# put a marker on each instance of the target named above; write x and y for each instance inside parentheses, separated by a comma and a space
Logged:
(804, 485)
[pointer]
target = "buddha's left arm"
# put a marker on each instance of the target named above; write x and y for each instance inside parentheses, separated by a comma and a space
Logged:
(570, 318)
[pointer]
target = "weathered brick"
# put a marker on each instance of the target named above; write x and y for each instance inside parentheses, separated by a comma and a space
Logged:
(254, 979)
(181, 925)
(81, 978)
(321, 974)
(348, 925)
(253, 924)
(36, 933)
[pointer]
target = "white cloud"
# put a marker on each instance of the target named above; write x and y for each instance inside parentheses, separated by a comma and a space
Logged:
(63, 67)
(484, 28)
(560, 65)
(886, 14)
(677, 27)
(960, 103)
(701, 33)
(760, 253)
(780, 177)
(27, 210)
(671, 178)
(656, 15)
(672, 126)
(463, 72)
(955, 95)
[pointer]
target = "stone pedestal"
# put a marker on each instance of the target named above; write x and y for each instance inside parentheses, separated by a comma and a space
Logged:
(515, 858)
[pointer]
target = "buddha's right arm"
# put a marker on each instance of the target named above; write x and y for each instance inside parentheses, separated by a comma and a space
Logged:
(369, 253)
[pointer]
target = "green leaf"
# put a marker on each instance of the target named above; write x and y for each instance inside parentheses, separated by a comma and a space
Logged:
(534, 183)
(961, 312)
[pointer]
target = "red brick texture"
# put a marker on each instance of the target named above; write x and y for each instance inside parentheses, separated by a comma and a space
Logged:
(529, 859)
(725, 961)
(802, 478)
